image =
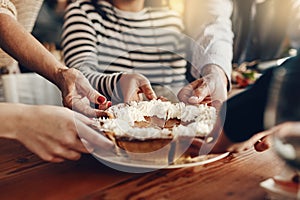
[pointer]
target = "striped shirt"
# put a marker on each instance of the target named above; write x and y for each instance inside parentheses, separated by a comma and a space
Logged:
(99, 38)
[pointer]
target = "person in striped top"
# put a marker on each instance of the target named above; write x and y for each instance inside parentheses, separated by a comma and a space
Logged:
(124, 36)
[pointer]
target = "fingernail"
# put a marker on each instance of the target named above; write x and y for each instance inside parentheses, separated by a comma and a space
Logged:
(101, 99)
(109, 104)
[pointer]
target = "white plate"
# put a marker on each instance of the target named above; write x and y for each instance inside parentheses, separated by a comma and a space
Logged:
(127, 162)
(276, 192)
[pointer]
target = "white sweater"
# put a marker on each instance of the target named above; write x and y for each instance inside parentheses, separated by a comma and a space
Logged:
(208, 23)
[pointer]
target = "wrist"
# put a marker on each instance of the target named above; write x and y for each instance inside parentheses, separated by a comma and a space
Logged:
(60, 76)
(217, 71)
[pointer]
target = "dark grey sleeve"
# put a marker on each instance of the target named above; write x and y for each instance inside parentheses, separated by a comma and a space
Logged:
(245, 111)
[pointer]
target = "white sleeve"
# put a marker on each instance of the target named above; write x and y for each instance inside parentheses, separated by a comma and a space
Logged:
(294, 26)
(212, 34)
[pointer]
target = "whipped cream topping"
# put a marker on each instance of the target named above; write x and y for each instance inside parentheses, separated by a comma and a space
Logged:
(127, 113)
(152, 108)
(195, 129)
(200, 119)
(197, 113)
(175, 110)
(121, 128)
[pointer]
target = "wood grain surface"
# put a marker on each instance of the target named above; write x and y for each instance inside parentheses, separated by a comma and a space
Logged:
(235, 177)
(25, 176)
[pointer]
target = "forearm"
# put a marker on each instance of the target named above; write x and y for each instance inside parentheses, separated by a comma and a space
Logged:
(21, 45)
(11, 116)
(220, 74)
(213, 37)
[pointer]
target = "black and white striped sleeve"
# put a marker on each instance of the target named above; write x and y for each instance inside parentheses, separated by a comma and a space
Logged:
(79, 50)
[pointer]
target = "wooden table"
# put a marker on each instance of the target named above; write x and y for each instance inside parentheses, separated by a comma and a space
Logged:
(25, 176)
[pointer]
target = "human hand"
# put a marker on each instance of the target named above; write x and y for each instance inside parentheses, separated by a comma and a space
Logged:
(211, 87)
(56, 133)
(217, 142)
(263, 139)
(260, 141)
(133, 85)
(77, 93)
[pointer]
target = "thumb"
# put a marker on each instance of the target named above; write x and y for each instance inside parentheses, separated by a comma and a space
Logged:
(199, 94)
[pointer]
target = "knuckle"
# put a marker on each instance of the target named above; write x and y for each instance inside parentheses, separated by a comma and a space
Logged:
(48, 158)
(75, 156)
(58, 151)
(69, 141)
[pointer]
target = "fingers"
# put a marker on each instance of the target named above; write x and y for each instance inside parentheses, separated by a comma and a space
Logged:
(78, 93)
(94, 96)
(53, 151)
(148, 91)
(60, 155)
(131, 94)
(105, 105)
(69, 154)
(132, 85)
(87, 145)
(204, 90)
(82, 118)
(79, 147)
(88, 137)
(261, 141)
(57, 160)
(200, 92)
(84, 88)
(94, 138)
(195, 93)
(185, 93)
(83, 106)
(101, 113)
(162, 98)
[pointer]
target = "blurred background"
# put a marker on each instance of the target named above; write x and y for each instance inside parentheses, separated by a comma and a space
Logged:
(273, 22)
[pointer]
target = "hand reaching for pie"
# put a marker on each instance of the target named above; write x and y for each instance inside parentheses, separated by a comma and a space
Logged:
(134, 85)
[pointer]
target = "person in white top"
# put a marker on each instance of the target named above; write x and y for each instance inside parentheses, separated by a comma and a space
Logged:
(53, 133)
(208, 24)
(234, 31)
